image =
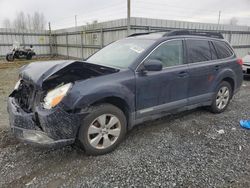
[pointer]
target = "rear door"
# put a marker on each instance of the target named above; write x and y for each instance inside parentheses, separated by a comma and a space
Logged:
(158, 91)
(203, 68)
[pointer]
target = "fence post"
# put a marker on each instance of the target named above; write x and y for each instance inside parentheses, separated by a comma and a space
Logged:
(102, 41)
(50, 41)
(55, 45)
(23, 39)
(230, 37)
(67, 45)
(149, 28)
(82, 43)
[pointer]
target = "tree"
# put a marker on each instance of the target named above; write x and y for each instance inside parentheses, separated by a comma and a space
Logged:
(94, 22)
(20, 21)
(27, 22)
(233, 21)
(6, 23)
(38, 21)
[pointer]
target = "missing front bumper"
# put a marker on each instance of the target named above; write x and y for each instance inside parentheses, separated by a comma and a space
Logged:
(39, 138)
(44, 127)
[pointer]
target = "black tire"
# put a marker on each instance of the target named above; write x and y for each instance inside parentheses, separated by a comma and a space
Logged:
(10, 57)
(214, 108)
(93, 113)
(29, 56)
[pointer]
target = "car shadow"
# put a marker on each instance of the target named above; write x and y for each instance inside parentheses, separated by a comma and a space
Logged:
(246, 78)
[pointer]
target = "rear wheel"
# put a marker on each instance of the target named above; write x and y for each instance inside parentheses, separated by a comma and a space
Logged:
(29, 56)
(222, 97)
(102, 129)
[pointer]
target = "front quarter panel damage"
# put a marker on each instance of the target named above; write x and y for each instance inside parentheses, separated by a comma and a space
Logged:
(58, 123)
(87, 92)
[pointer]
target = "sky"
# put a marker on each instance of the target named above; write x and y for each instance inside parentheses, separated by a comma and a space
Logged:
(61, 13)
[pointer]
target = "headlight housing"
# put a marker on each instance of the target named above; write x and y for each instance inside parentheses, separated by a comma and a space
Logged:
(17, 84)
(56, 95)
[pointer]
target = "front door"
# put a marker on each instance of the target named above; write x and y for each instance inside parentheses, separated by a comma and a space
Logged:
(162, 91)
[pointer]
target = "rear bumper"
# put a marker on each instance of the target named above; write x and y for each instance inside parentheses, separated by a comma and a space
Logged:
(246, 73)
(48, 128)
(246, 70)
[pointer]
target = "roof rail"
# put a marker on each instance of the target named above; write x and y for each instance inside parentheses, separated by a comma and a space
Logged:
(137, 34)
(183, 32)
(196, 33)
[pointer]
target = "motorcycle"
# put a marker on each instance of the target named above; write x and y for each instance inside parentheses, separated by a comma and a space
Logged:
(18, 53)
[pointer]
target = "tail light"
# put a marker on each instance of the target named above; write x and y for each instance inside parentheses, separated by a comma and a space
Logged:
(240, 62)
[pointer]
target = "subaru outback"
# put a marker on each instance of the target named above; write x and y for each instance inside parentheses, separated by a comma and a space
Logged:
(142, 77)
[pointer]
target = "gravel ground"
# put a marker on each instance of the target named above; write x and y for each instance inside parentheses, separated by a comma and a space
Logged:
(185, 150)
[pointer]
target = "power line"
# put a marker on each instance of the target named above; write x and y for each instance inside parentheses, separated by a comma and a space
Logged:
(99, 10)
(163, 6)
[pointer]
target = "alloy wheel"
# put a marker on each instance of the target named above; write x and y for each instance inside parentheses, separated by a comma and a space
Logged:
(104, 131)
(222, 98)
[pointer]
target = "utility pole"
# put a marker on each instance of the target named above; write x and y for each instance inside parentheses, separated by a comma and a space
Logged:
(75, 20)
(128, 16)
(218, 21)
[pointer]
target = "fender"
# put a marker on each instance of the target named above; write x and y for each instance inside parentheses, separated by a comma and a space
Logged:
(9, 53)
(99, 93)
(225, 73)
(87, 92)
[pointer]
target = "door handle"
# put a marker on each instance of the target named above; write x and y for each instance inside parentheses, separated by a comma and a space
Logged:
(182, 74)
(217, 67)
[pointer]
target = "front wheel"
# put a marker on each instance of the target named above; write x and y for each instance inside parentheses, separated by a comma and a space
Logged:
(10, 57)
(102, 129)
(221, 98)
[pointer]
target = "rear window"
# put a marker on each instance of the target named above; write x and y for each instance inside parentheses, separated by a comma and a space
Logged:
(198, 51)
(222, 49)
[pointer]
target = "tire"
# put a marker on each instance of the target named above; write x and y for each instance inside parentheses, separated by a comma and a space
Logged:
(94, 138)
(221, 98)
(29, 56)
(10, 57)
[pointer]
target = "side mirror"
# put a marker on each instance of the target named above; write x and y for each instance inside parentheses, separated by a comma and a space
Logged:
(153, 65)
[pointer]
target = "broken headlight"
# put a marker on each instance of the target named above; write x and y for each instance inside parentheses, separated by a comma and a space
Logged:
(17, 85)
(55, 96)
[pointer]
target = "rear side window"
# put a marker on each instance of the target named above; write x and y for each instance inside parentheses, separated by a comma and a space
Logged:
(198, 51)
(222, 49)
(213, 52)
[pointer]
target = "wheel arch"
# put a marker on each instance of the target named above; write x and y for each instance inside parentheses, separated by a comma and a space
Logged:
(230, 81)
(118, 102)
(225, 75)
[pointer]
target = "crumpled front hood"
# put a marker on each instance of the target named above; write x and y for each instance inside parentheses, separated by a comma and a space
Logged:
(38, 72)
(63, 71)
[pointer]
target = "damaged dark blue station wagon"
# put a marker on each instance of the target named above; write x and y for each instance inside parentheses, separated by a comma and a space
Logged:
(142, 77)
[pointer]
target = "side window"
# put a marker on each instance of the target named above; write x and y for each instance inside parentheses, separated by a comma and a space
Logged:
(213, 52)
(198, 51)
(222, 49)
(170, 53)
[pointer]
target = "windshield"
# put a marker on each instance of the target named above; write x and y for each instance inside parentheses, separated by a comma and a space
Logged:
(120, 53)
